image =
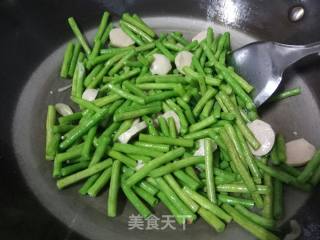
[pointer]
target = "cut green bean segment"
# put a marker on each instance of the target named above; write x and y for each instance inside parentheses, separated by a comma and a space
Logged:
(100, 182)
(66, 181)
(67, 59)
(166, 140)
(285, 94)
(250, 226)
(114, 189)
(208, 156)
(148, 167)
(310, 168)
(74, 27)
(50, 146)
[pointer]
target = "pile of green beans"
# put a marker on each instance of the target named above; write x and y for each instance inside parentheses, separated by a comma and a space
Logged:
(213, 105)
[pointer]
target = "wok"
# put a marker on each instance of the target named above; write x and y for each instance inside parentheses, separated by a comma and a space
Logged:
(32, 39)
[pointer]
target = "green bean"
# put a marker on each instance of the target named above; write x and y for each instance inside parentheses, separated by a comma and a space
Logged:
(187, 110)
(290, 170)
(102, 26)
(207, 109)
(71, 179)
(116, 58)
(183, 121)
(200, 134)
(126, 94)
(250, 226)
(276, 173)
(236, 160)
(274, 155)
(211, 192)
(82, 129)
(114, 189)
(262, 221)
(205, 203)
(105, 34)
(216, 110)
(68, 55)
(121, 63)
(95, 51)
(85, 104)
(101, 102)
(50, 142)
(234, 200)
(139, 157)
(74, 60)
(160, 96)
(179, 164)
(74, 27)
(65, 171)
(249, 157)
(70, 118)
(286, 94)
(207, 122)
(172, 127)
(125, 125)
(92, 74)
(239, 121)
(181, 194)
(135, 201)
(123, 158)
(103, 179)
(241, 188)
(136, 30)
(267, 210)
(210, 36)
(187, 180)
(63, 128)
(79, 80)
(131, 34)
(146, 196)
(281, 148)
(210, 93)
(174, 211)
(100, 150)
(136, 113)
(148, 167)
(148, 187)
(211, 219)
(278, 199)
(151, 128)
(139, 24)
(236, 142)
(132, 88)
(132, 149)
(175, 200)
(166, 140)
(159, 86)
(310, 168)
(173, 46)
(153, 146)
(89, 182)
(163, 126)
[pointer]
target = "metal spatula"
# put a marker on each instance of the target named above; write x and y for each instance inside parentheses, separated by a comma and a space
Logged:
(263, 63)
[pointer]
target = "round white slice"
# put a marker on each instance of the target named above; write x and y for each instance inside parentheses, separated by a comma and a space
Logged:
(119, 38)
(63, 109)
(264, 134)
(183, 59)
(299, 152)
(161, 65)
(90, 94)
(200, 36)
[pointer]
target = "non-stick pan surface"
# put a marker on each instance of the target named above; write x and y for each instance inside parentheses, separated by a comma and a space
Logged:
(32, 35)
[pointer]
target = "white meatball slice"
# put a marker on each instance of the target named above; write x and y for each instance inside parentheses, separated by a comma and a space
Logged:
(161, 65)
(119, 38)
(200, 36)
(63, 109)
(264, 134)
(183, 59)
(299, 152)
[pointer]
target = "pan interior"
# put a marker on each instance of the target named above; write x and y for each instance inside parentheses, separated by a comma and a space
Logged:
(296, 116)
